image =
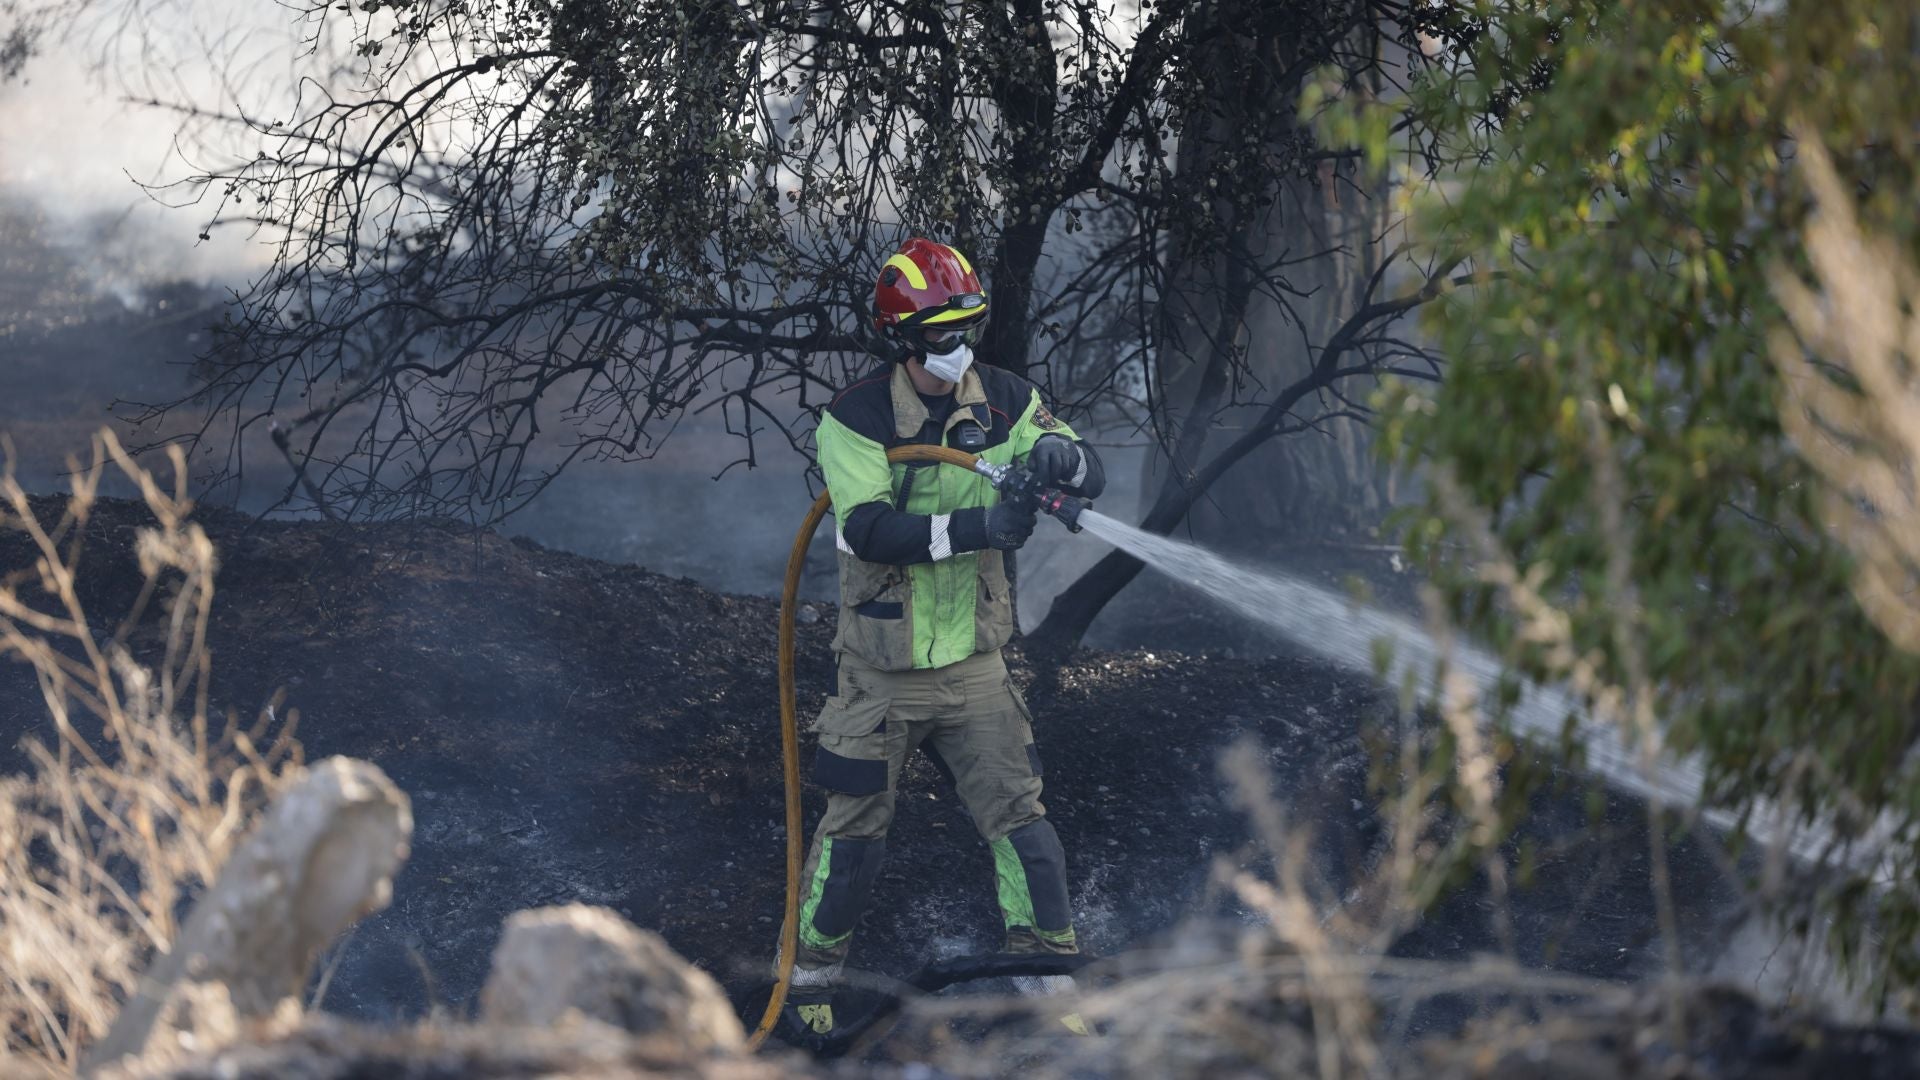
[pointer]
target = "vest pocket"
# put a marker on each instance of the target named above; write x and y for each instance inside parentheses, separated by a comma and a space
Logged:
(881, 609)
(876, 614)
(992, 604)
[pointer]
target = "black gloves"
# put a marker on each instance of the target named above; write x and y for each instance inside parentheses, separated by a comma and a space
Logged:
(1009, 523)
(1068, 464)
(1055, 461)
(1004, 525)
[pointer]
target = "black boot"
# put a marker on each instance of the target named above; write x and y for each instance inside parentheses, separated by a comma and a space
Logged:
(807, 1019)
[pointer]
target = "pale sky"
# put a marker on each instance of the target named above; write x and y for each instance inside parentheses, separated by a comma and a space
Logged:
(72, 147)
(72, 144)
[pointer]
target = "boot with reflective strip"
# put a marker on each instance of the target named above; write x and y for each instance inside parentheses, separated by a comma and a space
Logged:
(808, 1015)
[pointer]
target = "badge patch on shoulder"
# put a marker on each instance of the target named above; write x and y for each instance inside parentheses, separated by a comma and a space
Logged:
(1044, 420)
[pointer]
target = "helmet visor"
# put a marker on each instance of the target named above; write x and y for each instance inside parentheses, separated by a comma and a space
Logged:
(941, 340)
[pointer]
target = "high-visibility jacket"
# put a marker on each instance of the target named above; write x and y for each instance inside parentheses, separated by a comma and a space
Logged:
(919, 588)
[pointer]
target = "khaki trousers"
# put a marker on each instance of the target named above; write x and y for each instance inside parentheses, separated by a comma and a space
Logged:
(969, 718)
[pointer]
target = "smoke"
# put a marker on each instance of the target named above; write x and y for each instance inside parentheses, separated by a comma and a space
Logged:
(80, 135)
(85, 160)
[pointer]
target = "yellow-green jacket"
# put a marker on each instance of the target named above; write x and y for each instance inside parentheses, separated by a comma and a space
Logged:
(919, 588)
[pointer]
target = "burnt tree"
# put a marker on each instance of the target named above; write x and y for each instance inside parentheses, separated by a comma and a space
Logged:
(1281, 312)
(513, 234)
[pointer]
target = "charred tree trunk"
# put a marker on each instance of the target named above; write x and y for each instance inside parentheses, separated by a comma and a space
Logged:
(1327, 482)
(1026, 94)
(1321, 237)
(1009, 337)
(1074, 610)
(1208, 285)
(1250, 327)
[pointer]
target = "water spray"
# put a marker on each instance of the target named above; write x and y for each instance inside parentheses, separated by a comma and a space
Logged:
(1350, 634)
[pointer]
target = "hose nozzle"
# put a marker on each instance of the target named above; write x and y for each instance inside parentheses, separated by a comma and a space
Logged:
(1065, 507)
(1018, 483)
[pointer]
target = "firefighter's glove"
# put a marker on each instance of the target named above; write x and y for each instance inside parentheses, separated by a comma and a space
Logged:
(1009, 523)
(1005, 525)
(1057, 462)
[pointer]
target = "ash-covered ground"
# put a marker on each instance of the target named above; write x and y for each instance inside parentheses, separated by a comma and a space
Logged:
(575, 730)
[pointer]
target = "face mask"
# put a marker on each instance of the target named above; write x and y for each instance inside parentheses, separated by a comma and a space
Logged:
(948, 367)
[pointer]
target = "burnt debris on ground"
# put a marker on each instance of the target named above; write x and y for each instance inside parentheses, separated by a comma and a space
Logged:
(572, 730)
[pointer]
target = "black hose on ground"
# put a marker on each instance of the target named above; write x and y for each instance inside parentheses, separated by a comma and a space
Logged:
(934, 978)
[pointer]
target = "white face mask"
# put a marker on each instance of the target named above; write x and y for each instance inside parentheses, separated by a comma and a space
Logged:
(948, 367)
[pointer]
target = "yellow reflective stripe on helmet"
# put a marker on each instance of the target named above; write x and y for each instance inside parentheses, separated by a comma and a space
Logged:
(914, 277)
(951, 315)
(964, 264)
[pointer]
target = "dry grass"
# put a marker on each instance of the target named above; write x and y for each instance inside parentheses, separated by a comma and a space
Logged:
(1306, 986)
(134, 802)
(1302, 986)
(1547, 628)
(1851, 394)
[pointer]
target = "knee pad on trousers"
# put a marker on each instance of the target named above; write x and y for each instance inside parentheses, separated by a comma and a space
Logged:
(841, 887)
(1044, 863)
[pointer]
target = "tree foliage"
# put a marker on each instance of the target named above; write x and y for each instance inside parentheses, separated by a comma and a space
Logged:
(509, 234)
(1611, 413)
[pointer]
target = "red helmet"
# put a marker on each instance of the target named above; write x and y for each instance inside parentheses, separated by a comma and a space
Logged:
(929, 299)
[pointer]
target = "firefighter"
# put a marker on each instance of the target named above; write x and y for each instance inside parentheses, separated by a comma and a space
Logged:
(925, 605)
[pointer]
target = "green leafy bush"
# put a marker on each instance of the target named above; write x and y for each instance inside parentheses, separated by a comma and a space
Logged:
(1612, 418)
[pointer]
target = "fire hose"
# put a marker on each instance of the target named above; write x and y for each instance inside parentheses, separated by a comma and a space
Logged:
(1012, 483)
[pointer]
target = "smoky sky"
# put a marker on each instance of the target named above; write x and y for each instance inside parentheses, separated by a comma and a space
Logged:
(78, 136)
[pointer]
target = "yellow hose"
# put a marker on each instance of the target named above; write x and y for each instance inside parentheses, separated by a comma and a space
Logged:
(790, 735)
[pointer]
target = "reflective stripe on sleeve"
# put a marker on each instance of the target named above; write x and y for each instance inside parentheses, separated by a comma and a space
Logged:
(941, 546)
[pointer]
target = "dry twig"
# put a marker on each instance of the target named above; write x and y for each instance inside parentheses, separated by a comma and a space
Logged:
(135, 803)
